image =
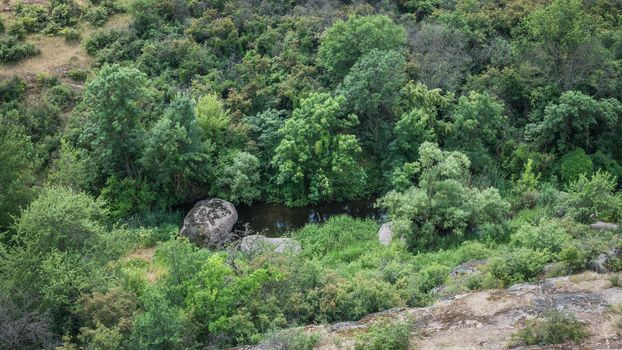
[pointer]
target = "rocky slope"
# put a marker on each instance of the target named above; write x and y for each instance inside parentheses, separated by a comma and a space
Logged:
(487, 319)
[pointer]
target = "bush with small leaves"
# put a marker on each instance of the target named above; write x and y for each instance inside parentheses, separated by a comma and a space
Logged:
(556, 328)
(385, 335)
(12, 50)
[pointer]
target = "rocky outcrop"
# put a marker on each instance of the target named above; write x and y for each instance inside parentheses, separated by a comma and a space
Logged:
(468, 268)
(210, 223)
(604, 226)
(488, 319)
(607, 262)
(260, 243)
(385, 234)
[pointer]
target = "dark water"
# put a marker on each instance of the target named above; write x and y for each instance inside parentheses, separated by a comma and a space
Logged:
(275, 220)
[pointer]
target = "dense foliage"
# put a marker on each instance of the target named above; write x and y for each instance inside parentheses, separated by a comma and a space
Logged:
(486, 130)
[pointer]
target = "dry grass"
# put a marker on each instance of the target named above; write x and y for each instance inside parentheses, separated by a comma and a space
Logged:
(58, 56)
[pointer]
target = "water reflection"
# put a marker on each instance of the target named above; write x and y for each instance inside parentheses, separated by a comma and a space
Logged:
(274, 219)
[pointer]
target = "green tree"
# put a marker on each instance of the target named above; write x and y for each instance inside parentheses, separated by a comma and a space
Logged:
(559, 41)
(346, 41)
(576, 120)
(316, 160)
(477, 125)
(574, 164)
(112, 111)
(212, 118)
(442, 204)
(374, 82)
(17, 178)
(237, 177)
(371, 87)
(174, 159)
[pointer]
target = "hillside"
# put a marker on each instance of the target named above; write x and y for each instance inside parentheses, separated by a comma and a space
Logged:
(209, 174)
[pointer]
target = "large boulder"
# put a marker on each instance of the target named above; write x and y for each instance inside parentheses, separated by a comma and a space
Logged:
(385, 234)
(261, 243)
(604, 226)
(607, 262)
(210, 223)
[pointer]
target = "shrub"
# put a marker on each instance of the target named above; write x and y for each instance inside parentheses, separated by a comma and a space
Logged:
(548, 236)
(556, 328)
(593, 198)
(12, 50)
(99, 40)
(70, 34)
(78, 74)
(61, 96)
(443, 206)
(97, 16)
(237, 177)
(574, 164)
(292, 339)
(61, 219)
(518, 266)
(383, 335)
(12, 89)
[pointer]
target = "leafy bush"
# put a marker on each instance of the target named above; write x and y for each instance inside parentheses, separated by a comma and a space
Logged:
(12, 89)
(97, 16)
(520, 265)
(383, 335)
(556, 328)
(593, 198)
(70, 34)
(548, 236)
(442, 205)
(237, 177)
(12, 50)
(292, 339)
(61, 96)
(60, 219)
(574, 164)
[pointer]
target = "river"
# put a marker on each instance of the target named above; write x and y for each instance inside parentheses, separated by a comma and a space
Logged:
(275, 219)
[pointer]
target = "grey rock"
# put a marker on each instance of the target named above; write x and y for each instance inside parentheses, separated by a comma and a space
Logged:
(468, 268)
(260, 243)
(385, 234)
(603, 262)
(210, 223)
(600, 225)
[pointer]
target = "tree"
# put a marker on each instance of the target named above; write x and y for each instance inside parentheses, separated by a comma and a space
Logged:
(442, 204)
(574, 164)
(374, 82)
(346, 41)
(212, 118)
(112, 111)
(316, 160)
(19, 162)
(576, 120)
(371, 87)
(477, 125)
(559, 41)
(441, 55)
(237, 177)
(174, 159)
(60, 219)
(264, 130)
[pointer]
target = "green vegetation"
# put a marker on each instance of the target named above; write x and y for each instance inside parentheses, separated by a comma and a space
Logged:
(385, 336)
(486, 131)
(556, 328)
